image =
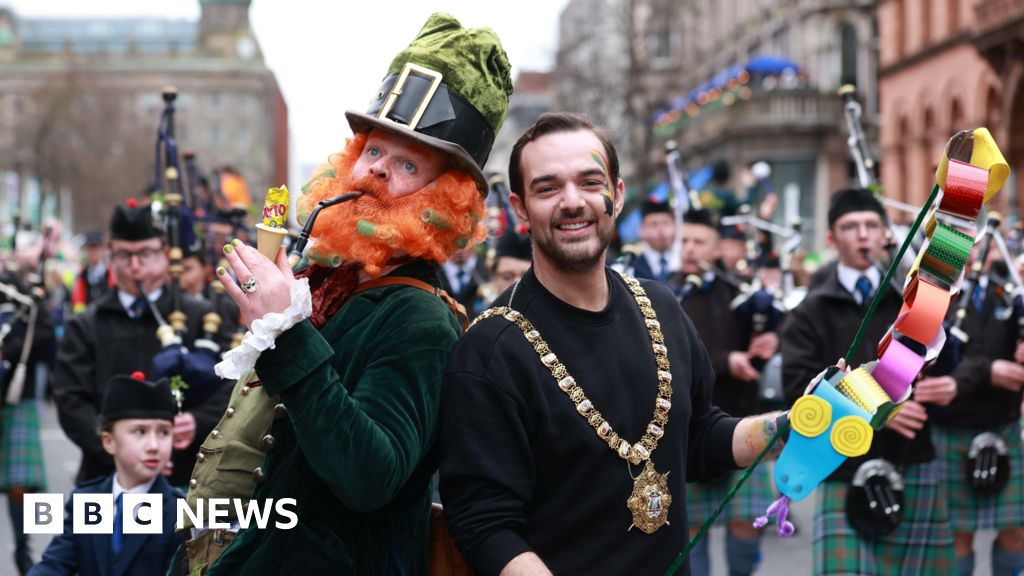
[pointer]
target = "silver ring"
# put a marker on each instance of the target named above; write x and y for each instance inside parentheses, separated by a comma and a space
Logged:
(250, 285)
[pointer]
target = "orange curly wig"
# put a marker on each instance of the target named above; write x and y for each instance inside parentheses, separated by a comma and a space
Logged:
(431, 224)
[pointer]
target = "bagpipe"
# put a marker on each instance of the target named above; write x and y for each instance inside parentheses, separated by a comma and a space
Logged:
(760, 308)
(191, 369)
(682, 197)
(17, 318)
(685, 197)
(956, 337)
(24, 294)
(860, 153)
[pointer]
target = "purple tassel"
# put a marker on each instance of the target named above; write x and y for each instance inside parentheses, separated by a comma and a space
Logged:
(779, 509)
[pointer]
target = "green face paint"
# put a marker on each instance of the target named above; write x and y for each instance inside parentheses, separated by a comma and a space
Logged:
(607, 193)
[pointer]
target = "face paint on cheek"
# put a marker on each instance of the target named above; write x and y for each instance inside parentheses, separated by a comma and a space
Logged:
(607, 193)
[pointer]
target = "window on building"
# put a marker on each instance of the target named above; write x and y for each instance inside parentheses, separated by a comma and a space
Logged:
(215, 100)
(956, 116)
(993, 107)
(847, 54)
(243, 139)
(781, 41)
(215, 135)
(902, 191)
(926, 23)
(899, 28)
(659, 41)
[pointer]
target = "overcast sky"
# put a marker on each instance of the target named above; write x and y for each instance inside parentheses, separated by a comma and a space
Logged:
(329, 56)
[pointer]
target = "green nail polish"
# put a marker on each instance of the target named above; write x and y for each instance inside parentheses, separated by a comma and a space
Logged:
(236, 242)
(227, 248)
(221, 271)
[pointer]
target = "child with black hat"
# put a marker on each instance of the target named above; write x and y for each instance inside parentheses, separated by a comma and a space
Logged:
(136, 424)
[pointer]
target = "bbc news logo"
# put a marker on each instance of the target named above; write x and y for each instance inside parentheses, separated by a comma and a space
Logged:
(94, 513)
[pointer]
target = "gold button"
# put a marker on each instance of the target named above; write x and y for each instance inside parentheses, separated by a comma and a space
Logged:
(230, 412)
(245, 390)
(215, 434)
(280, 412)
(269, 443)
(200, 457)
(193, 483)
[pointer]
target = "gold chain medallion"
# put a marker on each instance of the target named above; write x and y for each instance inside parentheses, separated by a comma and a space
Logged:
(650, 500)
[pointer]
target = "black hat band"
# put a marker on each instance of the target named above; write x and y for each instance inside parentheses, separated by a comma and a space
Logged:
(445, 115)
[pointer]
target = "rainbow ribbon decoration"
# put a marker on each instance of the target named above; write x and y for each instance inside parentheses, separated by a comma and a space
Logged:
(838, 418)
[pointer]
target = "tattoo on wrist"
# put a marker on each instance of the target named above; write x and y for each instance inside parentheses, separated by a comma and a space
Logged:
(762, 433)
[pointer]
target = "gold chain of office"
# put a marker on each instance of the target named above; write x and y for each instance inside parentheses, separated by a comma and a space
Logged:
(650, 500)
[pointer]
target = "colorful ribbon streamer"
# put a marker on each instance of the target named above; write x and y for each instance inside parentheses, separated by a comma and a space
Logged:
(865, 399)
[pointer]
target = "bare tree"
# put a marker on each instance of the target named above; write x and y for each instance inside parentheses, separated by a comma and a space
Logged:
(602, 65)
(75, 132)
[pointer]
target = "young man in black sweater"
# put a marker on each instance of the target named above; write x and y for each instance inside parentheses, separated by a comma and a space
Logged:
(573, 416)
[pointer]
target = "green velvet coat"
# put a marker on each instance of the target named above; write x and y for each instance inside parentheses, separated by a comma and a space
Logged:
(356, 449)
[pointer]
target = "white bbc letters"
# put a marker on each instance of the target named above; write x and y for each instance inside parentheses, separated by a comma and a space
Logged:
(143, 514)
(93, 513)
(44, 514)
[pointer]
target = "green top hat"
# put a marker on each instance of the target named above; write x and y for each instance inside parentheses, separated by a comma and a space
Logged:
(449, 90)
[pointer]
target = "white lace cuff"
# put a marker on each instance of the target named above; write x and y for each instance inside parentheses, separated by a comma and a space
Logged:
(261, 335)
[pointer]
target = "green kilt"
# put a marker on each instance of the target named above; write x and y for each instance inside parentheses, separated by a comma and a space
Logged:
(969, 512)
(21, 448)
(751, 501)
(921, 545)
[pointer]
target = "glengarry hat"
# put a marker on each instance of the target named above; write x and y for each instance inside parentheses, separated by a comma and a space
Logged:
(135, 397)
(132, 221)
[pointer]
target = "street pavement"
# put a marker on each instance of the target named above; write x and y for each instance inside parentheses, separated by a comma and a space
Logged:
(780, 556)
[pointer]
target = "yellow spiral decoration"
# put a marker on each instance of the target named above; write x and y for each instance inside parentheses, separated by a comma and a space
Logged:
(851, 436)
(810, 416)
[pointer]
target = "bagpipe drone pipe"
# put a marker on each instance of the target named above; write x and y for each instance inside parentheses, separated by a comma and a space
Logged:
(187, 369)
(18, 314)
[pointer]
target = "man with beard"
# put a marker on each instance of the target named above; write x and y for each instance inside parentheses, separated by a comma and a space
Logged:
(341, 411)
(535, 479)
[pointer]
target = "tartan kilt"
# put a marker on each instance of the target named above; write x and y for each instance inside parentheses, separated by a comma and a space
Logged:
(921, 545)
(751, 501)
(21, 448)
(969, 512)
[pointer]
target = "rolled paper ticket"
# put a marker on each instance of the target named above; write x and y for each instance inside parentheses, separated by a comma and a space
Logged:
(270, 233)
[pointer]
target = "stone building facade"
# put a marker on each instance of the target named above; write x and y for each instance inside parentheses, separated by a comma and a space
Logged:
(793, 121)
(80, 100)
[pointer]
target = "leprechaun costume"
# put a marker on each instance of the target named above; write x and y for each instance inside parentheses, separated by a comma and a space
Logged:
(341, 413)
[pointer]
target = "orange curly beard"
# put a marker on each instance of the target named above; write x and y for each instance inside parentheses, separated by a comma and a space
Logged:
(374, 229)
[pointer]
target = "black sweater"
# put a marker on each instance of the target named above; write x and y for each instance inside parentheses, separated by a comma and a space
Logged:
(521, 470)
